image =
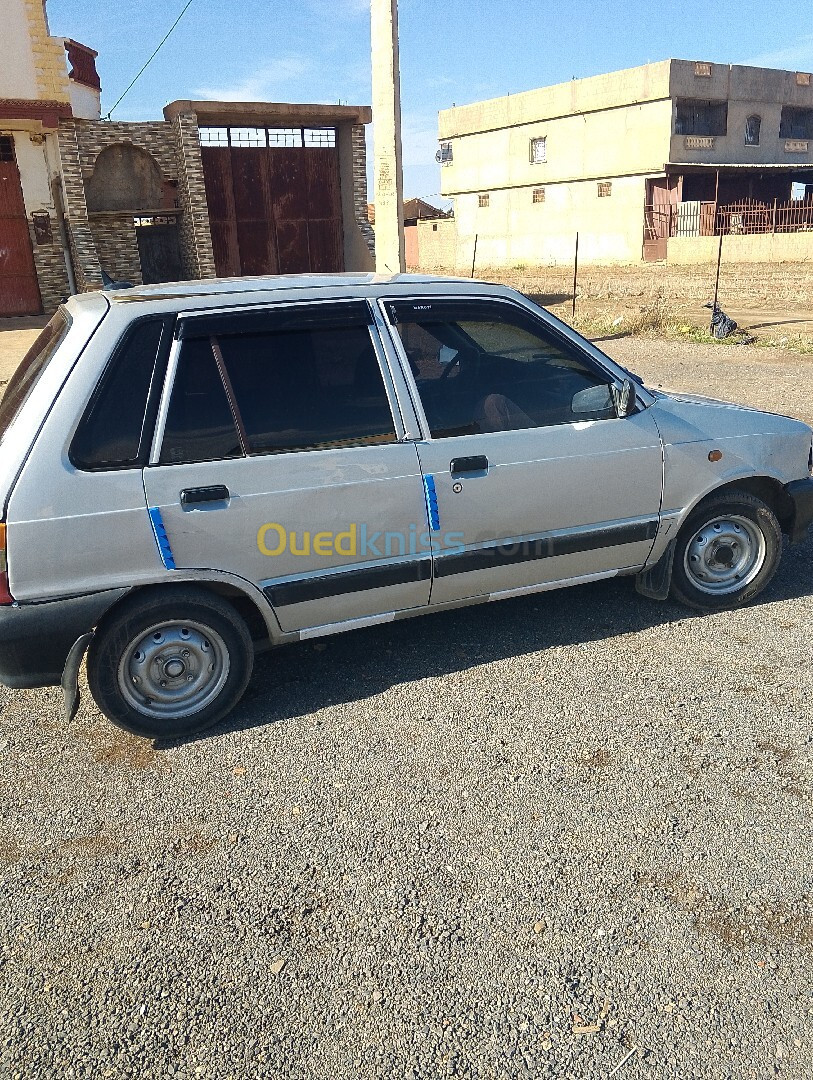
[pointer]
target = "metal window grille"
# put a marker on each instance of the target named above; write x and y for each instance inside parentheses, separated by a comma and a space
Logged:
(284, 136)
(539, 195)
(247, 136)
(483, 200)
(320, 136)
(752, 126)
(445, 155)
(539, 150)
(6, 148)
(605, 189)
(214, 136)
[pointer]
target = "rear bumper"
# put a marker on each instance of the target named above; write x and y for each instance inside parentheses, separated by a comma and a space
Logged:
(35, 639)
(800, 493)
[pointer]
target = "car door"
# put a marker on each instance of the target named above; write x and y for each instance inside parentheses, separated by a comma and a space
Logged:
(279, 457)
(531, 476)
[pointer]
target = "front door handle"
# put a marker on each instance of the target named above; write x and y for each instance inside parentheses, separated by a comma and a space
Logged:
(478, 463)
(215, 493)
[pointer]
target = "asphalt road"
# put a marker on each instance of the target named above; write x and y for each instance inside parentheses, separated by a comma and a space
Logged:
(566, 836)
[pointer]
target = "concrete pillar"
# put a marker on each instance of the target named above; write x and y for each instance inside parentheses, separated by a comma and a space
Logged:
(389, 190)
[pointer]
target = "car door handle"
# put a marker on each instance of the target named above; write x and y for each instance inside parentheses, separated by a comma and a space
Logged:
(215, 493)
(478, 463)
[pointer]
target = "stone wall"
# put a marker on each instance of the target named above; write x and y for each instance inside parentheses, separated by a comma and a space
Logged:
(116, 245)
(197, 256)
(52, 274)
(84, 256)
(156, 137)
(360, 186)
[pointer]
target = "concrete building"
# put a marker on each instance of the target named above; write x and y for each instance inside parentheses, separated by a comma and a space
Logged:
(626, 159)
(221, 188)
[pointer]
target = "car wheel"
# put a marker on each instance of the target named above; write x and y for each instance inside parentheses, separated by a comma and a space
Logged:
(727, 552)
(170, 665)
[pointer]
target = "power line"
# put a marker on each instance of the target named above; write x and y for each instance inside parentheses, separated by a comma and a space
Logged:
(186, 7)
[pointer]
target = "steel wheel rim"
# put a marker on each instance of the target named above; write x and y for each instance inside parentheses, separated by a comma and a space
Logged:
(725, 555)
(173, 670)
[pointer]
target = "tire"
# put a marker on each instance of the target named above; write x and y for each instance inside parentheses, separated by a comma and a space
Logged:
(170, 664)
(727, 552)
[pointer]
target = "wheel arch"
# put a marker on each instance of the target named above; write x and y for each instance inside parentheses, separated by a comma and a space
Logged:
(246, 606)
(767, 488)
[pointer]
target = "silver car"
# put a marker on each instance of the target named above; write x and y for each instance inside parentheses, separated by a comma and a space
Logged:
(192, 472)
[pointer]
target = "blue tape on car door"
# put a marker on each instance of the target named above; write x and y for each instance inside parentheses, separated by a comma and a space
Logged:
(431, 502)
(162, 540)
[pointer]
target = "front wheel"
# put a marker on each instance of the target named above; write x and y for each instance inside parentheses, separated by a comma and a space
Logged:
(727, 552)
(171, 665)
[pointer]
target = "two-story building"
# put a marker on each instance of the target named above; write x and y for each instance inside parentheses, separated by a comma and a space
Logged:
(627, 160)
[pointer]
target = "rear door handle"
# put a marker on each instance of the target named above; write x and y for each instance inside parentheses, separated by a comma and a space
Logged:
(215, 493)
(478, 463)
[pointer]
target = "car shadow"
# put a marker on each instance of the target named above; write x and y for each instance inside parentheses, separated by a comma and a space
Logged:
(303, 679)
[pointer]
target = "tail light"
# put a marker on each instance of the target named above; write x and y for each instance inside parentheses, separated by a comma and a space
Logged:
(5, 595)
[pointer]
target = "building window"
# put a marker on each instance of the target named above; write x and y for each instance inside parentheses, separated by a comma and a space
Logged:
(247, 136)
(483, 200)
(752, 126)
(605, 189)
(214, 136)
(445, 155)
(803, 78)
(6, 148)
(701, 117)
(539, 151)
(796, 123)
(324, 137)
(539, 194)
(702, 70)
(284, 137)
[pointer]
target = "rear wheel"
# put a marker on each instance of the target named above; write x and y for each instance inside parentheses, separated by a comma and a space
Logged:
(727, 552)
(169, 665)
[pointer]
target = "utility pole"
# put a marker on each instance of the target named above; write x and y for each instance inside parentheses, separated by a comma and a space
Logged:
(389, 185)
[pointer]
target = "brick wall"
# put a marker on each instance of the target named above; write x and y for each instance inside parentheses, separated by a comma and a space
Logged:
(360, 186)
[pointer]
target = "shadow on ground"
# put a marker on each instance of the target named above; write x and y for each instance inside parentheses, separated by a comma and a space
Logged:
(302, 679)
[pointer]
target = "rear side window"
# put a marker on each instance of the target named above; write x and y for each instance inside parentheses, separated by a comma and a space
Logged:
(311, 386)
(31, 367)
(116, 430)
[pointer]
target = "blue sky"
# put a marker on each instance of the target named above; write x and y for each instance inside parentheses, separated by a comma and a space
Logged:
(451, 53)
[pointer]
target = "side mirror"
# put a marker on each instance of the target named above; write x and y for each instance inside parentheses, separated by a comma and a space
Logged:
(593, 401)
(623, 398)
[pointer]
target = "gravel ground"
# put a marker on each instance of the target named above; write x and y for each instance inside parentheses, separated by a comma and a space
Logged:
(565, 836)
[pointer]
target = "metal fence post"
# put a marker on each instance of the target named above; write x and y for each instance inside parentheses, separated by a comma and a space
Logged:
(575, 275)
(716, 283)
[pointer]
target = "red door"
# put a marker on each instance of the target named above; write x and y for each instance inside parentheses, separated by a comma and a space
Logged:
(19, 291)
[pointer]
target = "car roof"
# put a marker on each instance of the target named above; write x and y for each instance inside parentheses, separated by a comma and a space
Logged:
(228, 287)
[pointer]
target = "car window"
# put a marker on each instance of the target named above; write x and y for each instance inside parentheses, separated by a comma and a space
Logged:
(199, 425)
(116, 430)
(31, 367)
(277, 391)
(486, 366)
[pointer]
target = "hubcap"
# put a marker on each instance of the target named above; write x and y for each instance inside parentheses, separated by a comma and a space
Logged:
(173, 669)
(725, 555)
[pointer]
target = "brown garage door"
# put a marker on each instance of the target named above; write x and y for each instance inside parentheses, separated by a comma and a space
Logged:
(274, 200)
(19, 291)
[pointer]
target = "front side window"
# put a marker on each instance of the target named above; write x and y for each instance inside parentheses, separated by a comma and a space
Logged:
(485, 366)
(275, 390)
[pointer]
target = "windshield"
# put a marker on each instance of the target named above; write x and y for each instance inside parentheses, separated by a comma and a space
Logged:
(31, 366)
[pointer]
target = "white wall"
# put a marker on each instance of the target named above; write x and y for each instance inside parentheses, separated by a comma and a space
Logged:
(18, 79)
(34, 172)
